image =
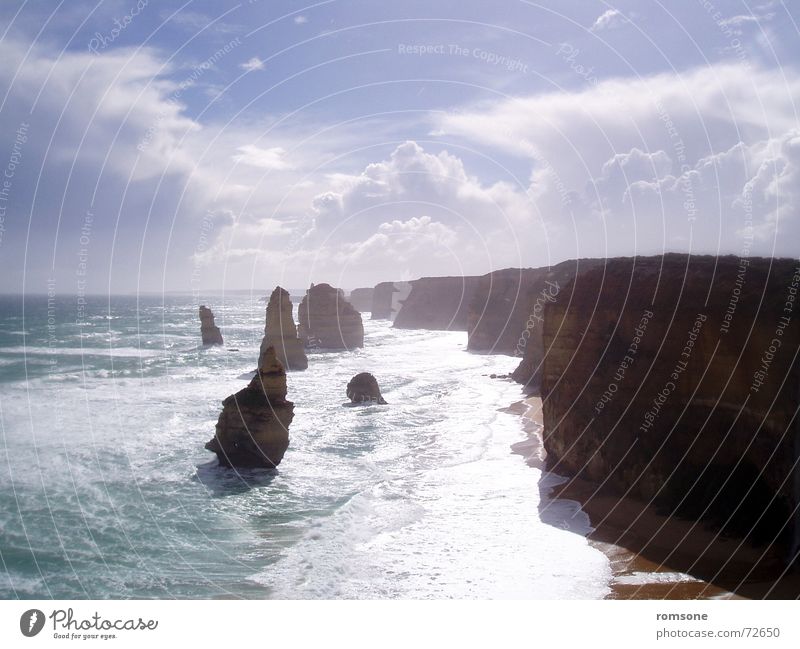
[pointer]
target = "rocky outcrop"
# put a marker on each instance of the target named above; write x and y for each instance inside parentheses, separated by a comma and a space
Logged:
(387, 299)
(363, 388)
(210, 333)
(361, 299)
(507, 313)
(675, 380)
(253, 428)
(328, 321)
(499, 310)
(280, 333)
(439, 303)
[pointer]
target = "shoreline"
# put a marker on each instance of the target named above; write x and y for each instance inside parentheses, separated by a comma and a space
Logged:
(634, 576)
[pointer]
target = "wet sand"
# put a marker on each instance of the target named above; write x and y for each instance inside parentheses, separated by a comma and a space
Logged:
(655, 556)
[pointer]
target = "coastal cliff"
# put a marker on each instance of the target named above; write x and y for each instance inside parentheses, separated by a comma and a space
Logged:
(499, 310)
(675, 381)
(439, 303)
(387, 299)
(521, 326)
(280, 333)
(507, 312)
(327, 320)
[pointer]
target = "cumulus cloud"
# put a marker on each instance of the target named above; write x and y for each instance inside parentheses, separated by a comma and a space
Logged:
(665, 162)
(608, 20)
(414, 179)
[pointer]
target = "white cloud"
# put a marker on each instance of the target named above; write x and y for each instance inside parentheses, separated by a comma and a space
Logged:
(300, 20)
(252, 64)
(665, 162)
(608, 20)
(272, 158)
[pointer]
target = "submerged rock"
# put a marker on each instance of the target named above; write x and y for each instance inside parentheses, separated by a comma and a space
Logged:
(363, 388)
(253, 427)
(280, 333)
(208, 330)
(328, 320)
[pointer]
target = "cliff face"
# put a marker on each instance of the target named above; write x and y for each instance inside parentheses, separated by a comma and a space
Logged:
(361, 299)
(280, 333)
(507, 312)
(523, 324)
(387, 298)
(329, 321)
(253, 427)
(209, 332)
(676, 381)
(439, 303)
(499, 310)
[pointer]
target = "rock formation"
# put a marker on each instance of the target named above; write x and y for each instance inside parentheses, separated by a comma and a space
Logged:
(363, 388)
(361, 299)
(387, 298)
(280, 332)
(499, 310)
(675, 380)
(253, 428)
(328, 321)
(208, 330)
(507, 311)
(439, 303)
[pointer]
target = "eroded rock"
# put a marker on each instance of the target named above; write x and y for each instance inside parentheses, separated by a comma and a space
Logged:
(253, 427)
(280, 333)
(363, 388)
(328, 321)
(209, 332)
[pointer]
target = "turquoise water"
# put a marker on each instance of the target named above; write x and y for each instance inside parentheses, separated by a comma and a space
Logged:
(106, 489)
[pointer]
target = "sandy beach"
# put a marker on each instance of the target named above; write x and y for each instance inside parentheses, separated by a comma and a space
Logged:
(654, 556)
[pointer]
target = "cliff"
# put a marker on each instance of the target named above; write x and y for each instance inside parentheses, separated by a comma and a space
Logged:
(361, 299)
(209, 332)
(253, 427)
(499, 310)
(675, 381)
(387, 298)
(518, 330)
(280, 333)
(439, 303)
(328, 321)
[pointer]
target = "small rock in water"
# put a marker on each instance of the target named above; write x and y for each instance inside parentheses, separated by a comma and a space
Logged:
(363, 388)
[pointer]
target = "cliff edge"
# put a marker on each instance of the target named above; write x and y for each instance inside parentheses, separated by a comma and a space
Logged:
(675, 380)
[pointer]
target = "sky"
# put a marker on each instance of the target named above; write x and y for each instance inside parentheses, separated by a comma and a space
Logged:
(171, 146)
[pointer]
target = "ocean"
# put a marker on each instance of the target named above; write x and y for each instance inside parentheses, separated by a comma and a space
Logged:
(106, 490)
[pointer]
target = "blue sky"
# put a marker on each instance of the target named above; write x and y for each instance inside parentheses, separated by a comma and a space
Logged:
(176, 145)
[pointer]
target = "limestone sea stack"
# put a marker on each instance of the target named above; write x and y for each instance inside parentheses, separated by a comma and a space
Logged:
(253, 428)
(675, 380)
(328, 321)
(208, 330)
(280, 333)
(361, 299)
(387, 298)
(363, 388)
